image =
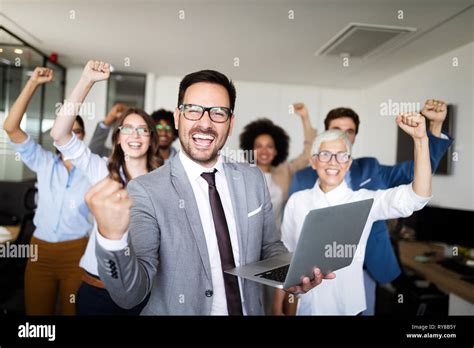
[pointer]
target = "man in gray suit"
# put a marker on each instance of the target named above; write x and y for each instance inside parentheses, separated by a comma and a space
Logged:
(178, 227)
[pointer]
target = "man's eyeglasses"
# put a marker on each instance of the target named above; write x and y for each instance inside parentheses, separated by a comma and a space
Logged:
(218, 114)
(127, 130)
(166, 128)
(326, 156)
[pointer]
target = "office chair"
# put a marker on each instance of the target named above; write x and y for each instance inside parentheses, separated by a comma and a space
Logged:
(13, 269)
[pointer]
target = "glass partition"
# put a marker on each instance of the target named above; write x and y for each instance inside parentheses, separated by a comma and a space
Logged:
(17, 62)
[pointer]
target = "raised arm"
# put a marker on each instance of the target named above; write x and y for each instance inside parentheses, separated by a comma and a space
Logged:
(135, 252)
(302, 160)
(94, 71)
(97, 143)
(403, 200)
(435, 111)
(402, 173)
(414, 125)
(13, 120)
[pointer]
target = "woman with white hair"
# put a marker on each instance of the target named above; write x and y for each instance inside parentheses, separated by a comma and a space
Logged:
(331, 158)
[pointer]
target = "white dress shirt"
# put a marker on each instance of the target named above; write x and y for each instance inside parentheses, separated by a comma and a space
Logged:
(201, 193)
(344, 295)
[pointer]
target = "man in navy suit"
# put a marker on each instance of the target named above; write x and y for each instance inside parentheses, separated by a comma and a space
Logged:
(380, 261)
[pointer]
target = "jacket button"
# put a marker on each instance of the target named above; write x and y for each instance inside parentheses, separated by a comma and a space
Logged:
(209, 293)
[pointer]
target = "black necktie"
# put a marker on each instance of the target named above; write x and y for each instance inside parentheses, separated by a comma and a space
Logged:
(231, 283)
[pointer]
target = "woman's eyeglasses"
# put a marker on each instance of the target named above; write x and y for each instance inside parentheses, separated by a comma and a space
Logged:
(166, 128)
(127, 130)
(326, 156)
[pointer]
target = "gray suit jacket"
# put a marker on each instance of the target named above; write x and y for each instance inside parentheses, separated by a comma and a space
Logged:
(168, 254)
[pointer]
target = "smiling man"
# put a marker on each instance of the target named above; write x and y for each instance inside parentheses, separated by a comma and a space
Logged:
(178, 228)
(166, 132)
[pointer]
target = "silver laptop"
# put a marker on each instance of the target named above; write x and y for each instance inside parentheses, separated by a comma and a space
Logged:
(328, 240)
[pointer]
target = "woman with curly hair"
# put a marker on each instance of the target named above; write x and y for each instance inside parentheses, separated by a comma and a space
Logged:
(270, 144)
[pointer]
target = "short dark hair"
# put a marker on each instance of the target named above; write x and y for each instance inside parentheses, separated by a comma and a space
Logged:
(266, 126)
(339, 113)
(81, 122)
(166, 116)
(210, 76)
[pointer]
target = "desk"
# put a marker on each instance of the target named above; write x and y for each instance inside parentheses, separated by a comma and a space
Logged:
(14, 230)
(445, 279)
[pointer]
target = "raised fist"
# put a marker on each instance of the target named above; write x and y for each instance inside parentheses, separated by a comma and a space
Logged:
(300, 109)
(42, 75)
(413, 124)
(96, 70)
(435, 110)
(110, 205)
(115, 113)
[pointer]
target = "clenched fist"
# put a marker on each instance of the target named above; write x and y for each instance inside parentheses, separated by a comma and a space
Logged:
(110, 205)
(300, 109)
(115, 113)
(42, 75)
(413, 124)
(96, 70)
(435, 110)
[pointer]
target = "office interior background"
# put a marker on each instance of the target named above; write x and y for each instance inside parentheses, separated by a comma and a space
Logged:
(373, 56)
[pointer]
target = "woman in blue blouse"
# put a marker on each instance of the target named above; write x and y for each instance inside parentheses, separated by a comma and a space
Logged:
(62, 217)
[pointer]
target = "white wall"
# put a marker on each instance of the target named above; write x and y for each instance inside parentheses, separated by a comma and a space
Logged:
(377, 135)
(434, 79)
(256, 100)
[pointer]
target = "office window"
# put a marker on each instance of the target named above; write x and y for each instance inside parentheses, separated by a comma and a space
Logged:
(126, 88)
(17, 61)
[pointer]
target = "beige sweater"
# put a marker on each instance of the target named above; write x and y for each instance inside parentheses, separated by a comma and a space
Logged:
(283, 173)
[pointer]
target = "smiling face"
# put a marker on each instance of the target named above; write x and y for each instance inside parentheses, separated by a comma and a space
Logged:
(165, 134)
(331, 174)
(201, 140)
(265, 149)
(134, 145)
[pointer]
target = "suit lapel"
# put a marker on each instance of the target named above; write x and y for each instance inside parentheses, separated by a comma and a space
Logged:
(185, 191)
(235, 181)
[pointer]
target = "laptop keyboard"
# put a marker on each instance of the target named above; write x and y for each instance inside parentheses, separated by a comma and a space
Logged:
(276, 274)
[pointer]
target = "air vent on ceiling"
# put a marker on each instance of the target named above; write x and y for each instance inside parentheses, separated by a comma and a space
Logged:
(360, 40)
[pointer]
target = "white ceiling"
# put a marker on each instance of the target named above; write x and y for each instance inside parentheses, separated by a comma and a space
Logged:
(270, 47)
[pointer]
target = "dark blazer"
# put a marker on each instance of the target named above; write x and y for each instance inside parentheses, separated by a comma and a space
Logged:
(97, 143)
